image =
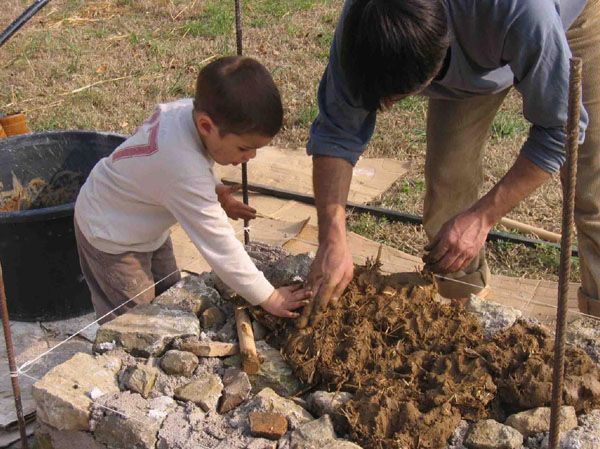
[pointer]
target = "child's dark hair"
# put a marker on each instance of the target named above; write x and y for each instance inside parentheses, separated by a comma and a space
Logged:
(240, 96)
(392, 47)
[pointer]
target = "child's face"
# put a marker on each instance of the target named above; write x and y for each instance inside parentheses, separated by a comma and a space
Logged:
(230, 149)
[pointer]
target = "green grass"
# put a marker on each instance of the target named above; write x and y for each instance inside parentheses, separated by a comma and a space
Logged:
(508, 125)
(307, 115)
(217, 19)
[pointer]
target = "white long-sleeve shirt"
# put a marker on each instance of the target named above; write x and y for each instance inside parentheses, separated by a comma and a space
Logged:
(159, 176)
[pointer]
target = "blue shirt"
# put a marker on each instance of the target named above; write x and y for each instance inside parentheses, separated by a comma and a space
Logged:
(495, 44)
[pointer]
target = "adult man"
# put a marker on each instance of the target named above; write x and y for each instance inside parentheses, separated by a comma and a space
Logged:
(464, 55)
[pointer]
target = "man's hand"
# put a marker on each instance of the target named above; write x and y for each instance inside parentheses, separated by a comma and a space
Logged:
(457, 243)
(460, 239)
(284, 300)
(330, 274)
(233, 208)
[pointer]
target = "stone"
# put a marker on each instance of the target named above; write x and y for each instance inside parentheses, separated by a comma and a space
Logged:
(537, 420)
(341, 444)
(260, 332)
(47, 437)
(212, 317)
(457, 439)
(313, 434)
(585, 436)
(190, 428)
(261, 443)
(204, 392)
(584, 332)
(148, 329)
(62, 395)
(227, 333)
(322, 403)
(179, 363)
(288, 270)
(274, 371)
(494, 317)
(267, 425)
(237, 389)
(268, 401)
(190, 294)
(127, 420)
(206, 348)
(490, 434)
(139, 379)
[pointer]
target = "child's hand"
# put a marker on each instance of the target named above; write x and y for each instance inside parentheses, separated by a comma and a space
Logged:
(233, 208)
(285, 299)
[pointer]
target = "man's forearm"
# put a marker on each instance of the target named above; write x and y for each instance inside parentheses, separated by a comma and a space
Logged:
(519, 182)
(331, 183)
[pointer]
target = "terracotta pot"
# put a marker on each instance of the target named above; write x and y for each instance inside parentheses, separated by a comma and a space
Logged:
(14, 124)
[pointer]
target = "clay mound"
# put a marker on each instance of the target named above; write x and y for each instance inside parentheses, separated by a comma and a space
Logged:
(417, 366)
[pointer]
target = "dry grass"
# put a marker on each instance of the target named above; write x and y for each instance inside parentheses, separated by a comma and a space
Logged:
(104, 64)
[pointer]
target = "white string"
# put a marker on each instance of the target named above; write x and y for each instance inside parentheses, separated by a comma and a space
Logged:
(30, 363)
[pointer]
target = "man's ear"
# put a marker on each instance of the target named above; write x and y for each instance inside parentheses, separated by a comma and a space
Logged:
(204, 123)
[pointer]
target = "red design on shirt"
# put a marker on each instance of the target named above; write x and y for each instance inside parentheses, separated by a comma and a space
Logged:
(142, 150)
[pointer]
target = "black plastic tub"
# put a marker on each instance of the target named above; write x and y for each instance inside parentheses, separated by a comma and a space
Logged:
(42, 277)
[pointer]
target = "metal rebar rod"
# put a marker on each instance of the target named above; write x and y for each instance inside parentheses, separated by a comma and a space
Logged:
(12, 365)
(31, 11)
(240, 51)
(565, 254)
(392, 215)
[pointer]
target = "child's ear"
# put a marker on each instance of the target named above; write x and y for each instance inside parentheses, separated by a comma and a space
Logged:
(204, 124)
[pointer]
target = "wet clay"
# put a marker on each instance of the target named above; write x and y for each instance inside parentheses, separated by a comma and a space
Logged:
(416, 366)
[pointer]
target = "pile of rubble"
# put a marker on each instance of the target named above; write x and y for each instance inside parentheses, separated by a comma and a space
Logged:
(167, 376)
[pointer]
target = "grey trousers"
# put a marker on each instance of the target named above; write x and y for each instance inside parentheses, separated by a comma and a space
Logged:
(113, 279)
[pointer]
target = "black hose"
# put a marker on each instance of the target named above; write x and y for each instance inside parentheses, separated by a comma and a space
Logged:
(31, 11)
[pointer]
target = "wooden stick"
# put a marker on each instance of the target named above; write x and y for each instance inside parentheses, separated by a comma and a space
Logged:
(250, 360)
(538, 232)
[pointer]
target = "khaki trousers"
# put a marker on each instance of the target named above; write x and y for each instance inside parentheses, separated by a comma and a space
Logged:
(457, 131)
(115, 278)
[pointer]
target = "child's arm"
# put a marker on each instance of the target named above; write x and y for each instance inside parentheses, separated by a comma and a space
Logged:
(194, 204)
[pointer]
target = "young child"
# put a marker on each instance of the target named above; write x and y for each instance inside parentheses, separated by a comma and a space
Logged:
(163, 174)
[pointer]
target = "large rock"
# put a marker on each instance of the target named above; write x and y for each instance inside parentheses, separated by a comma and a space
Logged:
(585, 333)
(490, 434)
(191, 294)
(537, 420)
(204, 392)
(47, 437)
(494, 317)
(63, 395)
(288, 270)
(313, 434)
(213, 317)
(139, 379)
(274, 371)
(147, 329)
(325, 403)
(126, 420)
(237, 389)
(179, 363)
(585, 436)
(269, 401)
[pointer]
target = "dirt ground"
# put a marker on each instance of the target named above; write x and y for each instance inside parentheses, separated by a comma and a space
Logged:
(417, 366)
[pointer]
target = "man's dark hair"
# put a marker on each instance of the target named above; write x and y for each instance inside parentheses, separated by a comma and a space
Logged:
(392, 47)
(240, 97)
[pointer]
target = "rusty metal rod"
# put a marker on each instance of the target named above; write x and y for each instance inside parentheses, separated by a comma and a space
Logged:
(240, 51)
(565, 253)
(12, 365)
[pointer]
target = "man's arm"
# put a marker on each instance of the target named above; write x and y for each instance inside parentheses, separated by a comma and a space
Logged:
(460, 238)
(333, 267)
